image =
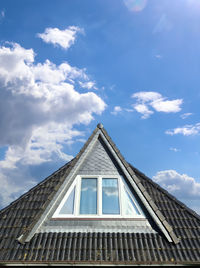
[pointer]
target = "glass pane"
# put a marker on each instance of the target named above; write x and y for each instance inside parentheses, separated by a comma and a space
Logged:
(68, 207)
(128, 205)
(110, 196)
(88, 203)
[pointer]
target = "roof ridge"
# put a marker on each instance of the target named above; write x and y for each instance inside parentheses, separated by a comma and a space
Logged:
(189, 210)
(34, 187)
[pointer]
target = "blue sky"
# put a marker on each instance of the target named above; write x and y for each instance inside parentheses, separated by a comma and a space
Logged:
(131, 64)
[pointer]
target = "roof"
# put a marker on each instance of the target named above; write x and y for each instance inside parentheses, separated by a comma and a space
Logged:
(19, 219)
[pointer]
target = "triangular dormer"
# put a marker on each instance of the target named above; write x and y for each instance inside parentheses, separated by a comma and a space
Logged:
(100, 192)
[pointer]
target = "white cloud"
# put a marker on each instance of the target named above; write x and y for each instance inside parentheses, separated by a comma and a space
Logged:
(38, 94)
(64, 38)
(167, 106)
(39, 106)
(146, 100)
(174, 149)
(185, 115)
(186, 130)
(2, 14)
(143, 109)
(158, 56)
(81, 140)
(117, 109)
(146, 96)
(88, 85)
(44, 143)
(180, 185)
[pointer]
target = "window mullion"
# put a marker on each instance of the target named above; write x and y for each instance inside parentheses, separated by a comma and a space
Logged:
(99, 196)
(77, 197)
(120, 195)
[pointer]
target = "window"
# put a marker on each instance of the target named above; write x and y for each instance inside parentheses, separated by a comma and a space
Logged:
(68, 206)
(88, 201)
(110, 196)
(98, 197)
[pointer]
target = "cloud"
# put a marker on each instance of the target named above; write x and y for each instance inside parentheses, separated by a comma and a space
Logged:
(81, 140)
(64, 38)
(117, 109)
(45, 142)
(174, 149)
(2, 14)
(39, 106)
(158, 56)
(88, 85)
(143, 109)
(186, 130)
(167, 106)
(146, 100)
(146, 96)
(111, 192)
(180, 185)
(38, 94)
(185, 115)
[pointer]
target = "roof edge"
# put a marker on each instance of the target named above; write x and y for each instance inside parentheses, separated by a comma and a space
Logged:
(24, 235)
(34, 187)
(137, 181)
(189, 210)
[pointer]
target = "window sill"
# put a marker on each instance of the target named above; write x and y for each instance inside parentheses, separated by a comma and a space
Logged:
(99, 219)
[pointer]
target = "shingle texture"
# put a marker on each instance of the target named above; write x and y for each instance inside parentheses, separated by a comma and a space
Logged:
(102, 247)
(98, 247)
(99, 161)
(107, 247)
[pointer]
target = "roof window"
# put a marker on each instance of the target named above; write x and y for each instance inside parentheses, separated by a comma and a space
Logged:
(98, 197)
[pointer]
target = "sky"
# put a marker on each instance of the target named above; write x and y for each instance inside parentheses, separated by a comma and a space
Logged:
(133, 65)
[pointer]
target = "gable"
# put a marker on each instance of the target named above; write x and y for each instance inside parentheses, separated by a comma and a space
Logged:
(99, 161)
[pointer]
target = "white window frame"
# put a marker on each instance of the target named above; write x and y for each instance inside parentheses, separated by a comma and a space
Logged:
(77, 184)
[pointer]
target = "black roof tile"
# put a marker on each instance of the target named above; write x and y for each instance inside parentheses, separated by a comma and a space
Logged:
(17, 218)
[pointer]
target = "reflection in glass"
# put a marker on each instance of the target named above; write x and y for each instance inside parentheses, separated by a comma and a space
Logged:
(68, 207)
(88, 202)
(110, 196)
(129, 206)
